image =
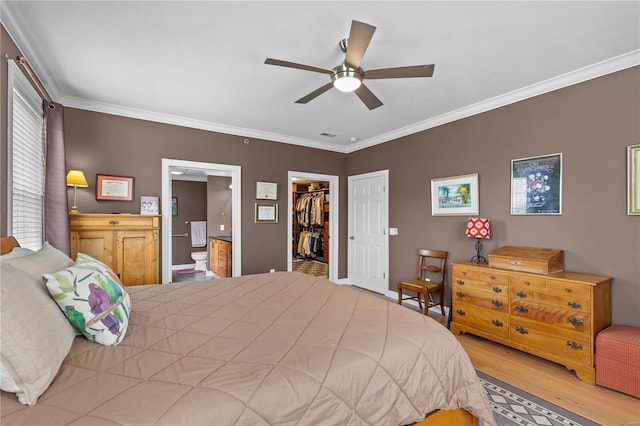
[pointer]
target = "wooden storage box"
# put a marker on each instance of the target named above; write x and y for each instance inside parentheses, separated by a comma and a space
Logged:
(528, 259)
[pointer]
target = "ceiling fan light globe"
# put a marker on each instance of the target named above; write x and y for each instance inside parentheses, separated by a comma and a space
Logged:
(347, 84)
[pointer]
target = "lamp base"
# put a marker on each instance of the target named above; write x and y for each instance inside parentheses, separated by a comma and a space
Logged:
(477, 258)
(74, 210)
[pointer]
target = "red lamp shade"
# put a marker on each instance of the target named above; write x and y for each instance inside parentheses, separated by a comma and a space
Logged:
(478, 227)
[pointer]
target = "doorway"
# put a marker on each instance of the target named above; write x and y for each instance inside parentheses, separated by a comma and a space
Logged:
(329, 228)
(368, 231)
(205, 169)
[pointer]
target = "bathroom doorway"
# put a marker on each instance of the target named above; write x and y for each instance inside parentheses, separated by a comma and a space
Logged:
(206, 173)
(312, 245)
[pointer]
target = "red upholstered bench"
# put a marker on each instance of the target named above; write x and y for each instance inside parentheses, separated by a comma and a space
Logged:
(617, 359)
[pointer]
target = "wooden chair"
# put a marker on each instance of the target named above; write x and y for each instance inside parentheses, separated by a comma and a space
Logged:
(431, 273)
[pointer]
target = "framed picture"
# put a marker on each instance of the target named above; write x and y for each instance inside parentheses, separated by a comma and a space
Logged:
(266, 213)
(148, 205)
(114, 188)
(457, 195)
(536, 185)
(266, 191)
(174, 206)
(633, 179)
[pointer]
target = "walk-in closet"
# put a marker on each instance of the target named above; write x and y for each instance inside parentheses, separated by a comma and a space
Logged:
(310, 234)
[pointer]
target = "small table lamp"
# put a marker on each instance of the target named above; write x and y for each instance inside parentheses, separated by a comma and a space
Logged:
(478, 228)
(76, 179)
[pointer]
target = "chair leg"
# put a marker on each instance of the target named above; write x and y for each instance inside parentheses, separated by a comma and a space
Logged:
(399, 295)
(419, 301)
(442, 299)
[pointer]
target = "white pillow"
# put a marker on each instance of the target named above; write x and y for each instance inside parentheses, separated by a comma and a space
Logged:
(35, 335)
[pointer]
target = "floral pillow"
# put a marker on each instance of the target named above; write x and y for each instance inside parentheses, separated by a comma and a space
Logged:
(93, 299)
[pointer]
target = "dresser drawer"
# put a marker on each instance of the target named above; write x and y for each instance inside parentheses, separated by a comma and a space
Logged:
(568, 346)
(482, 299)
(489, 287)
(551, 315)
(533, 283)
(477, 274)
(490, 321)
(569, 304)
(568, 288)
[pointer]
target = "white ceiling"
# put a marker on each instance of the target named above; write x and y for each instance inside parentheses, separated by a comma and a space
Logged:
(201, 64)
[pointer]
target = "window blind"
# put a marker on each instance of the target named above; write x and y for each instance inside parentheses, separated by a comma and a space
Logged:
(26, 161)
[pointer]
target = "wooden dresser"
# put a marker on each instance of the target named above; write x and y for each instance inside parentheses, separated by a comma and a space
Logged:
(220, 257)
(555, 317)
(127, 243)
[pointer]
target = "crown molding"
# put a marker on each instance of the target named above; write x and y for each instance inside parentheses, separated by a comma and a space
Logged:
(590, 72)
(140, 114)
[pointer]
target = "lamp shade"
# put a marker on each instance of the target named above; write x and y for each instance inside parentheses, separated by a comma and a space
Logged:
(478, 227)
(76, 178)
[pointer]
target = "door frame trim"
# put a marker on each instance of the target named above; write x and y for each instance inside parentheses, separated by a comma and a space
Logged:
(385, 175)
(334, 208)
(236, 213)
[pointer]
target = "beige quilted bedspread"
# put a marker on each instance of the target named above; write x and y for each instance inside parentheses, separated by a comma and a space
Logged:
(281, 348)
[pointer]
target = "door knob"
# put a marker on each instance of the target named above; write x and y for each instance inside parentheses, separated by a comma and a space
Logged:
(352, 237)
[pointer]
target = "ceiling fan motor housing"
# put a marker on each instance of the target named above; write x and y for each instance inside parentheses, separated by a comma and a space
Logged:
(351, 78)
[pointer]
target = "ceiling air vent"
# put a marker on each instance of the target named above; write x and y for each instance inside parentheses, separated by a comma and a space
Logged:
(329, 135)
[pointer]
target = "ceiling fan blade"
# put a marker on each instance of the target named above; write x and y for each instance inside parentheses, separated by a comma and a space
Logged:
(359, 39)
(401, 72)
(311, 96)
(367, 96)
(287, 64)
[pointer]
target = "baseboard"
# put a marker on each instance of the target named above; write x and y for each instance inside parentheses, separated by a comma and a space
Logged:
(393, 295)
(178, 267)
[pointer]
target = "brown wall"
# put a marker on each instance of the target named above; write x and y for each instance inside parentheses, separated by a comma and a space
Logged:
(590, 123)
(104, 143)
(192, 205)
(219, 206)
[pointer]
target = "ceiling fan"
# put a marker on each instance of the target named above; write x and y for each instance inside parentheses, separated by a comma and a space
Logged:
(348, 76)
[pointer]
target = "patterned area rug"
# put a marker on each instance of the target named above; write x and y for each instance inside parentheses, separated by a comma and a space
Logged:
(311, 267)
(513, 406)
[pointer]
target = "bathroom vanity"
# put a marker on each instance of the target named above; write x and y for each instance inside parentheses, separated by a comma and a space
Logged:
(220, 259)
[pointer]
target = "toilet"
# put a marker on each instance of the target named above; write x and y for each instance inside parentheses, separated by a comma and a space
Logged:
(200, 258)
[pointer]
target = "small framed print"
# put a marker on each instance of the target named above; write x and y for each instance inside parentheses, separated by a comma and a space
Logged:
(266, 213)
(148, 205)
(536, 185)
(266, 191)
(456, 195)
(114, 188)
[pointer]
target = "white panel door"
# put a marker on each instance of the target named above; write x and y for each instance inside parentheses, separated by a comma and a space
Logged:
(368, 236)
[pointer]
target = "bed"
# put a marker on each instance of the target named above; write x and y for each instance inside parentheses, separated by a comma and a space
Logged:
(276, 348)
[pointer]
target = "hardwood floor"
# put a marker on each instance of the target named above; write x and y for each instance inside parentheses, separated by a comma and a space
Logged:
(550, 381)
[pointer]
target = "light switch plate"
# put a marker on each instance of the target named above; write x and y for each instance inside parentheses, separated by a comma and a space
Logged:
(393, 231)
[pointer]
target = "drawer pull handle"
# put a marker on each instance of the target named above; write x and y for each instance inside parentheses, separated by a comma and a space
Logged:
(497, 303)
(461, 282)
(522, 309)
(461, 312)
(516, 262)
(574, 345)
(522, 330)
(521, 294)
(492, 277)
(576, 322)
(460, 294)
(574, 305)
(497, 290)
(464, 272)
(113, 222)
(497, 323)
(526, 283)
(568, 290)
